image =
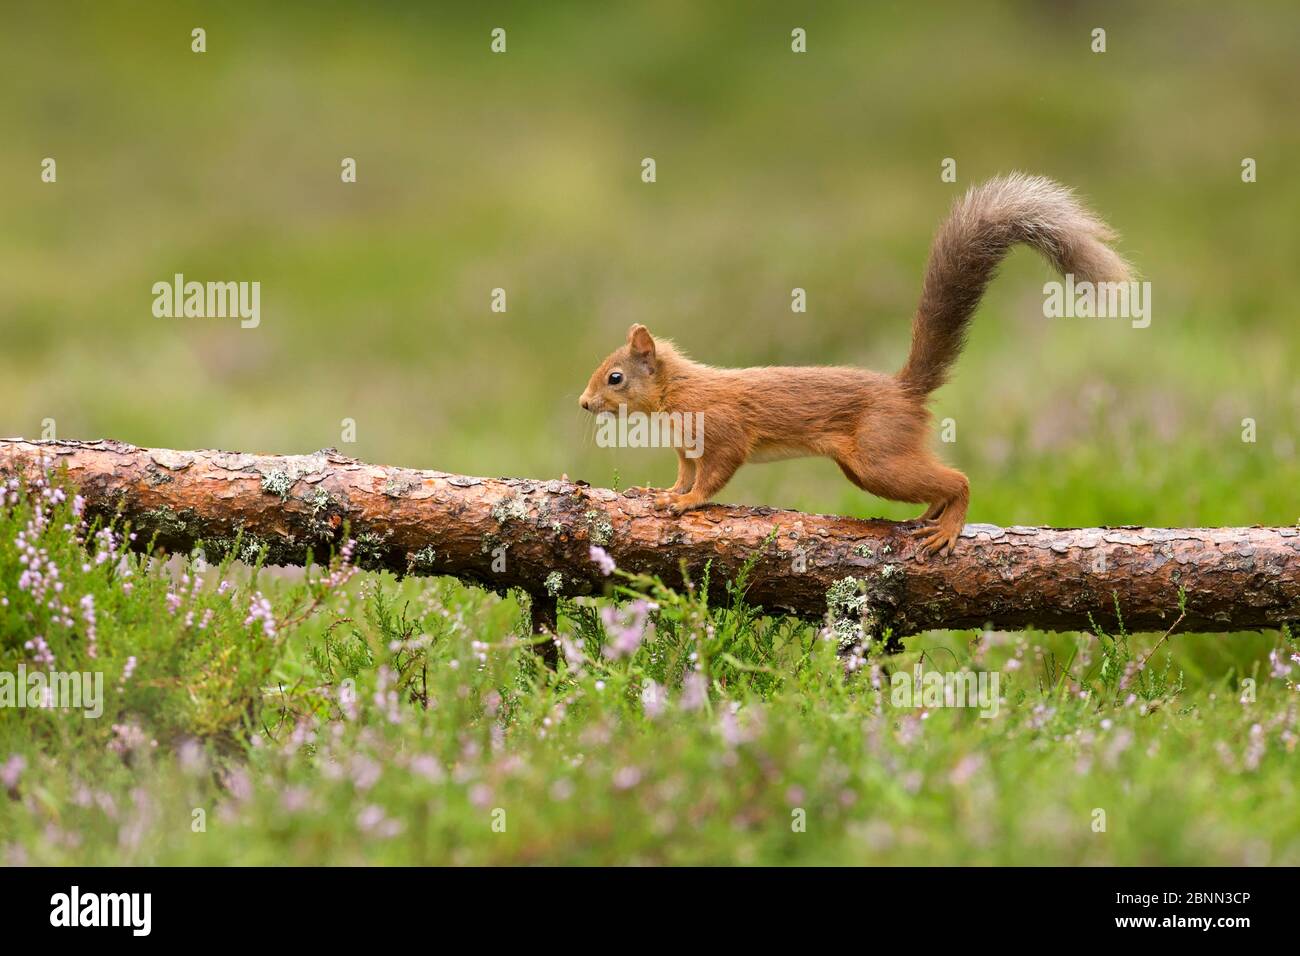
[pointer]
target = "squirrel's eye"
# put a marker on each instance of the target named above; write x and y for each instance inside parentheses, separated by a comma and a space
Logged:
(615, 378)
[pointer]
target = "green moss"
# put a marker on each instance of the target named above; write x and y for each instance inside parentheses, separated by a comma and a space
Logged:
(515, 508)
(553, 583)
(399, 486)
(250, 549)
(277, 483)
(245, 547)
(846, 605)
(215, 549)
(164, 522)
(600, 530)
(370, 548)
(319, 525)
(844, 598)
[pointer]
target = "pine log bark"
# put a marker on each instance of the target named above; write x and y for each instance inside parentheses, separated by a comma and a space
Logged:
(536, 535)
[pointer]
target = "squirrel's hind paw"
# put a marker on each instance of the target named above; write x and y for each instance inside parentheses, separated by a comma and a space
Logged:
(667, 501)
(935, 539)
(676, 504)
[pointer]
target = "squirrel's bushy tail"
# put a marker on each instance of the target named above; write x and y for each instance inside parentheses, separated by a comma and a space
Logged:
(982, 227)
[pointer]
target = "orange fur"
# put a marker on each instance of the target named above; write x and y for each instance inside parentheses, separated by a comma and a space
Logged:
(873, 425)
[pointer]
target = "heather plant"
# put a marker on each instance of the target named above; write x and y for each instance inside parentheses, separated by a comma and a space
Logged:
(337, 716)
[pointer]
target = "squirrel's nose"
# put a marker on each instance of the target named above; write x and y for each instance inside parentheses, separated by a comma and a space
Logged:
(582, 400)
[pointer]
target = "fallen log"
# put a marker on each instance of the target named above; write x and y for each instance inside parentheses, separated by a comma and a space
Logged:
(536, 535)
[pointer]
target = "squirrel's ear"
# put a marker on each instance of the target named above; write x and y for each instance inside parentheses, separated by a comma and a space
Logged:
(638, 337)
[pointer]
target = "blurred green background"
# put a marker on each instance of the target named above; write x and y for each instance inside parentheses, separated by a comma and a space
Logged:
(775, 170)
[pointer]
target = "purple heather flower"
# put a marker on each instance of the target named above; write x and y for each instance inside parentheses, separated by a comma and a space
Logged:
(88, 615)
(626, 628)
(365, 772)
(1278, 667)
(625, 778)
(373, 820)
(602, 560)
(295, 799)
(695, 691)
(653, 699)
(12, 770)
(966, 768)
(41, 652)
(259, 609)
(427, 767)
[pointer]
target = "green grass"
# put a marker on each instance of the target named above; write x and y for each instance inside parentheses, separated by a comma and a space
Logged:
(522, 171)
(366, 720)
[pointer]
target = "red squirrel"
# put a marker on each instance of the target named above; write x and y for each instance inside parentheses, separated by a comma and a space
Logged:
(873, 425)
